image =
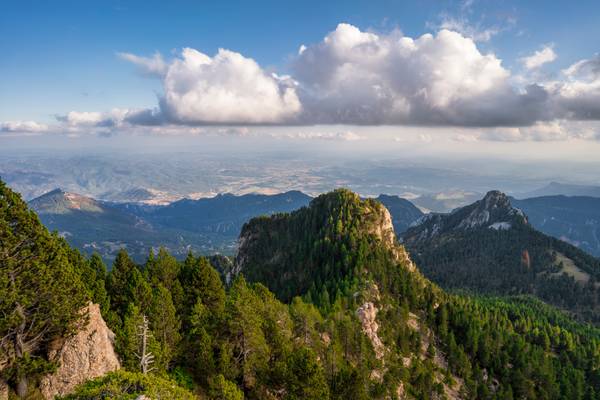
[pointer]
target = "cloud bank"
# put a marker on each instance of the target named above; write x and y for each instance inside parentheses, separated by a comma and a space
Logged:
(355, 77)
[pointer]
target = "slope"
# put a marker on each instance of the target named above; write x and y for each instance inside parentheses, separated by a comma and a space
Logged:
(489, 247)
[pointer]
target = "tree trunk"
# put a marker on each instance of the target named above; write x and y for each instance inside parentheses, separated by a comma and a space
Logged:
(22, 387)
(22, 381)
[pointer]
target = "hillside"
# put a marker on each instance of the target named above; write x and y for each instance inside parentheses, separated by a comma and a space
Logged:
(368, 325)
(225, 213)
(490, 247)
(95, 226)
(574, 219)
(340, 253)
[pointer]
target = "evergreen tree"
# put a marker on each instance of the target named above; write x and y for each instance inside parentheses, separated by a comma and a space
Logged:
(165, 323)
(41, 293)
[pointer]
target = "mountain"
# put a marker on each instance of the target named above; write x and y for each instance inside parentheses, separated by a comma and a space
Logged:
(574, 219)
(207, 225)
(60, 202)
(340, 254)
(225, 213)
(556, 188)
(95, 226)
(403, 212)
(490, 247)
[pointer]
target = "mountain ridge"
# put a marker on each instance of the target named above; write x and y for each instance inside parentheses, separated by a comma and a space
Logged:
(490, 247)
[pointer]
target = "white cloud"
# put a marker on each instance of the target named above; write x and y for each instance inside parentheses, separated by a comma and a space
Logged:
(226, 88)
(578, 93)
(354, 77)
(112, 118)
(23, 126)
(152, 66)
(539, 58)
(545, 131)
(358, 77)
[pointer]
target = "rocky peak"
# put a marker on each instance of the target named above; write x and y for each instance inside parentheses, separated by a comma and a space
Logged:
(279, 249)
(60, 202)
(494, 211)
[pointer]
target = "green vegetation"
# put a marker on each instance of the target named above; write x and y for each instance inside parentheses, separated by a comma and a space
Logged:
(288, 326)
(41, 292)
(123, 385)
(520, 260)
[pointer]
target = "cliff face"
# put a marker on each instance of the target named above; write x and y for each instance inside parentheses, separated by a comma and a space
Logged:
(84, 356)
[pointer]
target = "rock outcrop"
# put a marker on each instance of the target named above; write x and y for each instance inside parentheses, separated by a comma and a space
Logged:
(84, 356)
(367, 314)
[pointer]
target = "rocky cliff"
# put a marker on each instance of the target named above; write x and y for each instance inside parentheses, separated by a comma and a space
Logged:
(86, 355)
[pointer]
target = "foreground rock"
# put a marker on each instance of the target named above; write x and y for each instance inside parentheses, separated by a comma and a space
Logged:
(84, 356)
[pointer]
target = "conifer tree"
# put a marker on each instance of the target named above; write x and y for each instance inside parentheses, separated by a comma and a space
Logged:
(41, 293)
(165, 323)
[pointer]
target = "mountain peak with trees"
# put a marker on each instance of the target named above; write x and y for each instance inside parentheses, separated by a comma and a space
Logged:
(489, 247)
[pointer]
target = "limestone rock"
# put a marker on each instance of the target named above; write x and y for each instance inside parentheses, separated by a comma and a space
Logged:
(84, 356)
(367, 314)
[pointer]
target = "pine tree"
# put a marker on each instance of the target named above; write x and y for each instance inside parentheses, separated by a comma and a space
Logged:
(118, 284)
(162, 268)
(165, 323)
(202, 282)
(41, 293)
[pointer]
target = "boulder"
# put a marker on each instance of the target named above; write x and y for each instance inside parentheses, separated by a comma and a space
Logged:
(86, 355)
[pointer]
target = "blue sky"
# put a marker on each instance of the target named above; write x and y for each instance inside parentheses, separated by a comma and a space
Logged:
(63, 56)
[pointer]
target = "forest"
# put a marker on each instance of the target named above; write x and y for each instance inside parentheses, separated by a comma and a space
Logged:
(284, 321)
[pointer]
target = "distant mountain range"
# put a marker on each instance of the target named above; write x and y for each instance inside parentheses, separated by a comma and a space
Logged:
(213, 224)
(204, 226)
(490, 247)
(556, 188)
(574, 219)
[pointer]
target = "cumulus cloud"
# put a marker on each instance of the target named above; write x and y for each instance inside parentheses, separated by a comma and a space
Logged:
(355, 77)
(23, 126)
(226, 88)
(358, 77)
(112, 118)
(578, 94)
(539, 58)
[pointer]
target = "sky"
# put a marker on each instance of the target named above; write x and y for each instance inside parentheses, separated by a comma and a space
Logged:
(505, 78)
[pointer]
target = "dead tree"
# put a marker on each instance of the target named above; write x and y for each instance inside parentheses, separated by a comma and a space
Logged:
(145, 356)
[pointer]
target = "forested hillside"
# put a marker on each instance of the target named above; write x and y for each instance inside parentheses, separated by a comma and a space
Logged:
(350, 317)
(490, 248)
